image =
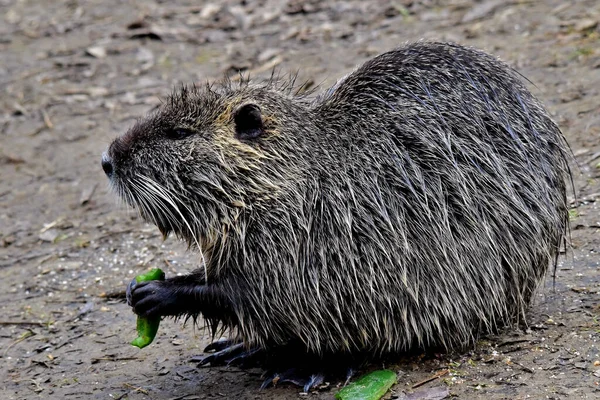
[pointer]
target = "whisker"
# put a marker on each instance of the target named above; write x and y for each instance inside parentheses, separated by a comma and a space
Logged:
(159, 192)
(155, 204)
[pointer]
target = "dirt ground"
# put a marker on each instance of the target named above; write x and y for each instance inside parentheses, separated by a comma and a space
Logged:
(75, 74)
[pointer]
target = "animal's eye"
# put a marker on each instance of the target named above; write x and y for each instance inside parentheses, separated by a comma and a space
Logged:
(179, 133)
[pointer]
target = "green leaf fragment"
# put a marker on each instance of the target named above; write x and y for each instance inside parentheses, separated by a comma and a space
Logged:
(573, 213)
(147, 327)
(370, 387)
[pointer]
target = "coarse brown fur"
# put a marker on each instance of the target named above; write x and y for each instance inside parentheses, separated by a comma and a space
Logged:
(418, 202)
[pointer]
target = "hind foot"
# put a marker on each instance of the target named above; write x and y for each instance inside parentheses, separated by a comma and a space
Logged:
(303, 378)
(283, 365)
(296, 377)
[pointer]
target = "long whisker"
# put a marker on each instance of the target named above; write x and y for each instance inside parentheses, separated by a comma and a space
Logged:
(156, 204)
(161, 193)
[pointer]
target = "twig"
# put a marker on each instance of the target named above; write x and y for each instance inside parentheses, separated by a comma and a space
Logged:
(135, 388)
(69, 340)
(431, 378)
(22, 323)
(98, 359)
(23, 76)
(118, 294)
(591, 158)
(26, 335)
(524, 368)
(47, 120)
(27, 257)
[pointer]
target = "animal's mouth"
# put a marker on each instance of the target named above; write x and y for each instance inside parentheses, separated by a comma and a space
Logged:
(156, 202)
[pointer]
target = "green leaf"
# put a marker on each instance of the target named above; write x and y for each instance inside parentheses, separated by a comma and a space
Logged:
(147, 327)
(370, 387)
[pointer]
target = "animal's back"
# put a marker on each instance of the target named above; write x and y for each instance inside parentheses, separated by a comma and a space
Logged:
(449, 180)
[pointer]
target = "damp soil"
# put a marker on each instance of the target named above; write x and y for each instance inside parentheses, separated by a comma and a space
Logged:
(75, 74)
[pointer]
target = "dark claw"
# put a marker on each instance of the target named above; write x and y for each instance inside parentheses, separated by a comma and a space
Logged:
(295, 377)
(229, 352)
(313, 382)
(349, 375)
(219, 345)
(223, 356)
(196, 359)
(244, 357)
(291, 376)
(269, 381)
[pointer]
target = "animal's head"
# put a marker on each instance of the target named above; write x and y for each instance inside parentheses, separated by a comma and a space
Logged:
(208, 155)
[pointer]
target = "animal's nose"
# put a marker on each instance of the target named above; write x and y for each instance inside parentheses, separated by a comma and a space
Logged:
(107, 164)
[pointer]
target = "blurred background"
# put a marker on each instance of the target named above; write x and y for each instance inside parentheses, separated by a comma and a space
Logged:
(75, 74)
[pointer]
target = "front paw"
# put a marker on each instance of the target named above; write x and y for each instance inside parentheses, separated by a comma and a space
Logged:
(152, 298)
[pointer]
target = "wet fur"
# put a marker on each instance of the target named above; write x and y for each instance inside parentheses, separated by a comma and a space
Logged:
(419, 202)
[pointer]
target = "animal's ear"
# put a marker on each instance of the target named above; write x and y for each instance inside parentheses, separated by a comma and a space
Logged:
(248, 122)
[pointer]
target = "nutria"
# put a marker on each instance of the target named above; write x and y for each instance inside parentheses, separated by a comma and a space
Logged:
(417, 203)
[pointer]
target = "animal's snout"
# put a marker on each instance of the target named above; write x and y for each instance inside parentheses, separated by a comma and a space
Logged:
(107, 164)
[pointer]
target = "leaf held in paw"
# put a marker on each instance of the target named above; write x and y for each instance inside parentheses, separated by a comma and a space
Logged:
(147, 327)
